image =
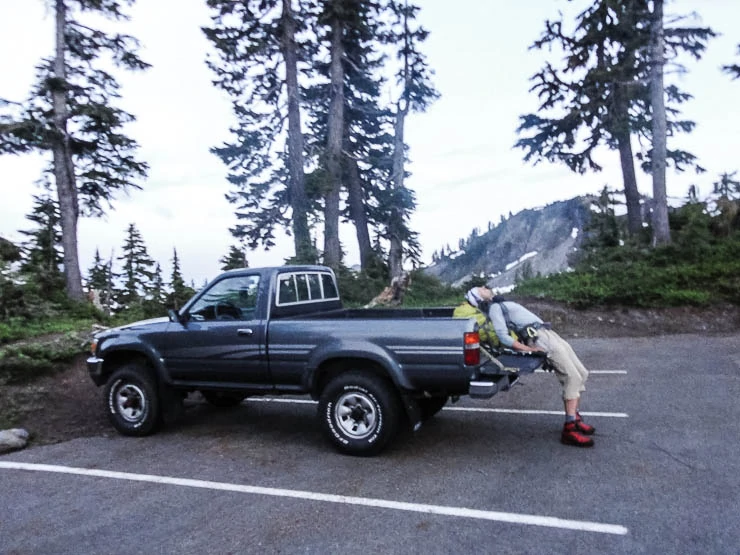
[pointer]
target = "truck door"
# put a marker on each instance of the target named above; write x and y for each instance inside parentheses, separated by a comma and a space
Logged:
(222, 339)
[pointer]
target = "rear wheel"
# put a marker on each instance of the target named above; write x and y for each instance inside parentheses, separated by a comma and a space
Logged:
(223, 399)
(430, 406)
(131, 399)
(359, 413)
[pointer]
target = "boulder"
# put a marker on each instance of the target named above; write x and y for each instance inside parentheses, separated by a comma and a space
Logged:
(10, 440)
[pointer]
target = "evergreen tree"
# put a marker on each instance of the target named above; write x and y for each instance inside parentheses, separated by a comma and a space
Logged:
(263, 39)
(335, 19)
(417, 93)
(354, 37)
(100, 280)
(156, 294)
(179, 291)
(366, 127)
(602, 229)
(12, 302)
(727, 186)
(42, 261)
(137, 269)
(71, 115)
(600, 95)
(661, 226)
(236, 258)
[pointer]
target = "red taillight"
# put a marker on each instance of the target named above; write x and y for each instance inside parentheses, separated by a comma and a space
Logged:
(471, 342)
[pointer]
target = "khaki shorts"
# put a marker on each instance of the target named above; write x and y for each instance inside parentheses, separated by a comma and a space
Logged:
(569, 369)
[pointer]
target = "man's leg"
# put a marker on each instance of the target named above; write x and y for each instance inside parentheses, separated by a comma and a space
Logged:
(572, 434)
(571, 378)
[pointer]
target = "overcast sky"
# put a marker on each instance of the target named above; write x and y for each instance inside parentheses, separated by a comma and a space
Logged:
(464, 170)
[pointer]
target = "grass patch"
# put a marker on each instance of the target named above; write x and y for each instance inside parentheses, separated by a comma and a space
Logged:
(18, 329)
(25, 361)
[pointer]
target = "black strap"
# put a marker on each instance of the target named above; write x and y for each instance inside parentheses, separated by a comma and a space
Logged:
(507, 318)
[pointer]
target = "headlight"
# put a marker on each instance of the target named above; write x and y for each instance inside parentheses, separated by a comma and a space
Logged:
(94, 346)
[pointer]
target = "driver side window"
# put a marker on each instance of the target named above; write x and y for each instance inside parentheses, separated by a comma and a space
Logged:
(232, 298)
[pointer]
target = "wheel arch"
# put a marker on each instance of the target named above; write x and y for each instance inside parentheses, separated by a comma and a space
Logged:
(115, 359)
(331, 368)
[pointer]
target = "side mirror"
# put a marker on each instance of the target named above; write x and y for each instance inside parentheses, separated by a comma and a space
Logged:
(174, 316)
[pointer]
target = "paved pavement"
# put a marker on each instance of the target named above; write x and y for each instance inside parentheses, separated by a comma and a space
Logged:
(481, 477)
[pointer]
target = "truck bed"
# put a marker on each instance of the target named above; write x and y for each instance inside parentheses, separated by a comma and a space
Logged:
(380, 313)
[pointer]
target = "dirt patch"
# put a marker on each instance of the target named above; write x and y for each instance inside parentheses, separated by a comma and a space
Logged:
(56, 407)
(68, 405)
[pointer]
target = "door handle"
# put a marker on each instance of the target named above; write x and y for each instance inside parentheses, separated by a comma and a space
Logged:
(245, 331)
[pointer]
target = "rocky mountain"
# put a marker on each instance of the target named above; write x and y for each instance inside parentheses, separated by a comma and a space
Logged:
(534, 241)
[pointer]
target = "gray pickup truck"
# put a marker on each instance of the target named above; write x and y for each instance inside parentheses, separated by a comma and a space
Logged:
(283, 330)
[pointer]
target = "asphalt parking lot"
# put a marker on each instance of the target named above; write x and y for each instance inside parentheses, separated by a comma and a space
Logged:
(481, 477)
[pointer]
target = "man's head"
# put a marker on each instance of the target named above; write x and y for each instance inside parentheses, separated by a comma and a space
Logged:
(478, 295)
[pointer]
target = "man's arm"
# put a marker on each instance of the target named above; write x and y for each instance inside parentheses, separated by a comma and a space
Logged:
(498, 321)
(502, 331)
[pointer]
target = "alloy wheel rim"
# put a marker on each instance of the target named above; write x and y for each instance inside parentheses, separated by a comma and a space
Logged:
(356, 414)
(130, 402)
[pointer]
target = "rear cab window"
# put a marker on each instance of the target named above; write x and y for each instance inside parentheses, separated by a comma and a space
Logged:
(305, 291)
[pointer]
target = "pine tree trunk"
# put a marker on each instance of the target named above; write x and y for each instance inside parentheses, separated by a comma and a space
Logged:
(299, 203)
(631, 193)
(621, 132)
(332, 246)
(661, 229)
(395, 256)
(357, 213)
(63, 164)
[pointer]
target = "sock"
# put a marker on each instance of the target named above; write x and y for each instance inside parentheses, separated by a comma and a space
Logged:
(569, 418)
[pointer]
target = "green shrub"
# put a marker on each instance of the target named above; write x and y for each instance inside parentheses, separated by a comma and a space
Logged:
(426, 290)
(25, 361)
(671, 275)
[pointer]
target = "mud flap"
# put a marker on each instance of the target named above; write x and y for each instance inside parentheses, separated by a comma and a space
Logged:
(413, 411)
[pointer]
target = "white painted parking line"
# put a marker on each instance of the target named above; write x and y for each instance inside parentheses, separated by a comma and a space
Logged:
(275, 400)
(460, 409)
(461, 512)
(590, 372)
(533, 411)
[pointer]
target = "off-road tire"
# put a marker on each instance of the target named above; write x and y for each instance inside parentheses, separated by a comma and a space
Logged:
(223, 400)
(359, 413)
(131, 400)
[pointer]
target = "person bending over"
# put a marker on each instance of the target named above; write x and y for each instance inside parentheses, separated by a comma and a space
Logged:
(535, 335)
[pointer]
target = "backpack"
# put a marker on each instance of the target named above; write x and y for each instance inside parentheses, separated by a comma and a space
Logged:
(485, 326)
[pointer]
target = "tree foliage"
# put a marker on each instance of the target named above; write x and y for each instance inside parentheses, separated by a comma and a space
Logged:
(42, 260)
(234, 259)
(414, 78)
(71, 114)
(733, 69)
(346, 166)
(258, 44)
(600, 93)
(179, 291)
(137, 270)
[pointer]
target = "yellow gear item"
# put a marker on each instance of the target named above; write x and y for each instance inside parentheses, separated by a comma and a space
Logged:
(485, 326)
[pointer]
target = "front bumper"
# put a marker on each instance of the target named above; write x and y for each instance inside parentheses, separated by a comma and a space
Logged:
(95, 369)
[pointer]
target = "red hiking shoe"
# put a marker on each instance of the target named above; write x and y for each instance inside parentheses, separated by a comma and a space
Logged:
(583, 427)
(571, 436)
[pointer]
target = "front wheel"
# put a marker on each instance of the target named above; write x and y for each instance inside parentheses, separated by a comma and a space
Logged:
(132, 402)
(359, 413)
